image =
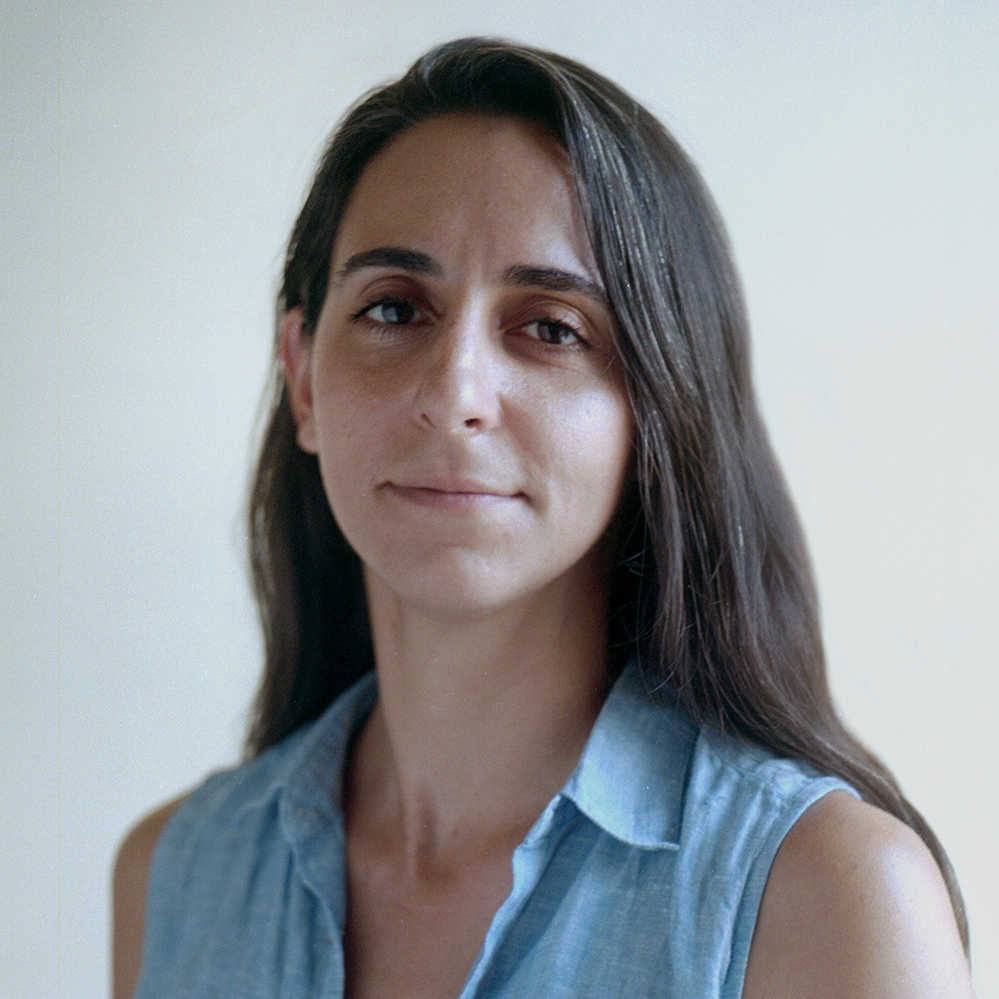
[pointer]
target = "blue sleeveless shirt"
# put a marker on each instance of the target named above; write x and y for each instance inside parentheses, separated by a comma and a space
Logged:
(641, 878)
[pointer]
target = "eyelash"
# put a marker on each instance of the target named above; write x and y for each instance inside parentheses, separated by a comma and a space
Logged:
(564, 329)
(388, 300)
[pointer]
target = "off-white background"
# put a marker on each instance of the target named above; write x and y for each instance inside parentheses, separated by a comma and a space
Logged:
(154, 158)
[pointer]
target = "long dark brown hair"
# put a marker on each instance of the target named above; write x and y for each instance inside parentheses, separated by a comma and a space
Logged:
(712, 585)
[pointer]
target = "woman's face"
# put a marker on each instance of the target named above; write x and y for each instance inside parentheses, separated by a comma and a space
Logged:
(461, 389)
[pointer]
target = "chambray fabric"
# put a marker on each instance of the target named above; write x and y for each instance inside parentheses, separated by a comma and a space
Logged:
(642, 877)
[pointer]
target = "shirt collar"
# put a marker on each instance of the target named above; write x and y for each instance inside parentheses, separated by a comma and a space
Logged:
(629, 780)
(631, 777)
(307, 768)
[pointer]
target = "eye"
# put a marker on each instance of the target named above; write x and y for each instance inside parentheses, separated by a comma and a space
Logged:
(555, 332)
(390, 312)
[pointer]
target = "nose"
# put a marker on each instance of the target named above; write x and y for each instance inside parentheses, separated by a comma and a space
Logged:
(458, 390)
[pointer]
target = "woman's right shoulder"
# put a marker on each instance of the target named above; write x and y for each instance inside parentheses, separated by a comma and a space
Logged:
(135, 853)
(129, 888)
(206, 813)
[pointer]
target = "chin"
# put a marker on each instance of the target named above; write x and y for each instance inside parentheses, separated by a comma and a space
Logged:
(452, 595)
(462, 586)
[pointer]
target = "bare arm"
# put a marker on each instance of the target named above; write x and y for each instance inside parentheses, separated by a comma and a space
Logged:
(855, 907)
(131, 878)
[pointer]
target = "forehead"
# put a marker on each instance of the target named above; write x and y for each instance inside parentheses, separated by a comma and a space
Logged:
(503, 175)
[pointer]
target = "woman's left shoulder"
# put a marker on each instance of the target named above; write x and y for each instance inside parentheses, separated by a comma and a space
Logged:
(855, 906)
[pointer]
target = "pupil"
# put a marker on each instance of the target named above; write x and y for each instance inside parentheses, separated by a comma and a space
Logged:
(398, 312)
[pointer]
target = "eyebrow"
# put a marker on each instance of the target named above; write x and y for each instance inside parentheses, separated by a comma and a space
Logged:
(520, 275)
(390, 256)
(554, 280)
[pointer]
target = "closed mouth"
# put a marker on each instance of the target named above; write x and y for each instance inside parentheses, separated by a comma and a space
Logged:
(451, 492)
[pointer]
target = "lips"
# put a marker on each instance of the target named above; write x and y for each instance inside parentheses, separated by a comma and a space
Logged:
(452, 485)
(453, 492)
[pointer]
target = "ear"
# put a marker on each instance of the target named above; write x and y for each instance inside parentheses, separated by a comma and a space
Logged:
(296, 357)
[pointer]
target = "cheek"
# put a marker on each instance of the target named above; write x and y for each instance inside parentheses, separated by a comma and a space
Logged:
(347, 435)
(349, 403)
(595, 444)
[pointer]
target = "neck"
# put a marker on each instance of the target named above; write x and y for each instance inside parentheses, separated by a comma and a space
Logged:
(479, 721)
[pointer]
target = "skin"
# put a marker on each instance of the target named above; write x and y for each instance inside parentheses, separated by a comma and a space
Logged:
(131, 877)
(474, 438)
(855, 908)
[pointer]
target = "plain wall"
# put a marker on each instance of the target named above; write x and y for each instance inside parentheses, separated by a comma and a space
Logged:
(154, 158)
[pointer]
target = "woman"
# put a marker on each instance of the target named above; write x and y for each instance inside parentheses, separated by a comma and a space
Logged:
(515, 465)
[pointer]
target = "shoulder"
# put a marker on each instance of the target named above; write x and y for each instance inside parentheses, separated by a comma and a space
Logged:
(854, 906)
(179, 828)
(130, 883)
(740, 802)
(175, 846)
(135, 853)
